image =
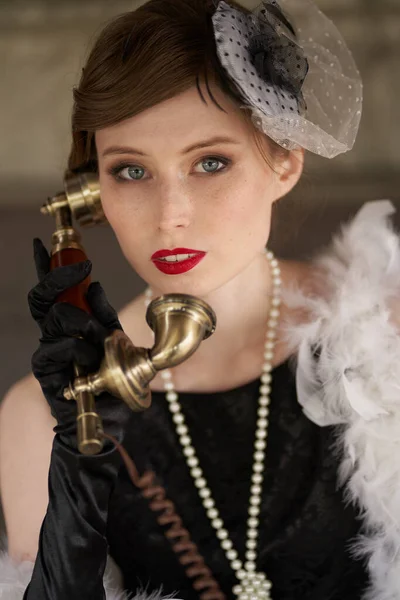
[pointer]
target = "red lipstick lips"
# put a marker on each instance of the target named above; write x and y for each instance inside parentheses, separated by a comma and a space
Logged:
(178, 261)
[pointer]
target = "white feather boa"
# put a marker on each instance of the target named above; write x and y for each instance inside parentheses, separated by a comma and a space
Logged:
(355, 381)
(354, 384)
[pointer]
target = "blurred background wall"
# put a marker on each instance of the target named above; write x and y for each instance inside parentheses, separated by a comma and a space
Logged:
(43, 44)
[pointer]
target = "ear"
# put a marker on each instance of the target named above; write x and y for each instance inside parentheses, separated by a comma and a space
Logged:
(289, 170)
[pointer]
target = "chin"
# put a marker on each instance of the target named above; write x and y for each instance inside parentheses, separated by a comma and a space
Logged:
(188, 283)
(199, 282)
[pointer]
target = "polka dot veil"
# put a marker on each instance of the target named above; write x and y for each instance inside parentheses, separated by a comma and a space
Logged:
(294, 71)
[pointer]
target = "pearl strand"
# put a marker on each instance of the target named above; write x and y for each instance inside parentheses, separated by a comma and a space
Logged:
(253, 585)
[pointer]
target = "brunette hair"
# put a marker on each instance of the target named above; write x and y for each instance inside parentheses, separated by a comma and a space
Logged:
(145, 57)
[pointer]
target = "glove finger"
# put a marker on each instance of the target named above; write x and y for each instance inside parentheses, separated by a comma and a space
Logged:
(54, 357)
(46, 292)
(64, 319)
(41, 258)
(101, 308)
(53, 386)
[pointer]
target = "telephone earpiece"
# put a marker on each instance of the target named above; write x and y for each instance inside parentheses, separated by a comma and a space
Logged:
(82, 196)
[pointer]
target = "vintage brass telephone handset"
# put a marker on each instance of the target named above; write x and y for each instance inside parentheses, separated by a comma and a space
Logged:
(180, 322)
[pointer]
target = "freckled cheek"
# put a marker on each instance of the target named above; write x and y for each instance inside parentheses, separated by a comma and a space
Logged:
(124, 217)
(246, 206)
(111, 203)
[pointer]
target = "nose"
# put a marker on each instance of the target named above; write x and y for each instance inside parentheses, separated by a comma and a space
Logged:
(174, 208)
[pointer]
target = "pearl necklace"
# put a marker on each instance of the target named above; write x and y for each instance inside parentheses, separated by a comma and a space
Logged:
(252, 585)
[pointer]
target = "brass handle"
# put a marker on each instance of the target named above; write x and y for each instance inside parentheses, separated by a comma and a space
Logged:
(89, 425)
(81, 198)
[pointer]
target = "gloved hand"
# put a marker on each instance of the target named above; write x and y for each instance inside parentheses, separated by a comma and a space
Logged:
(61, 326)
(72, 550)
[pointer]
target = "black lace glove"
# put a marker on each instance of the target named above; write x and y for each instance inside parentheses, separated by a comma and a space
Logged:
(73, 547)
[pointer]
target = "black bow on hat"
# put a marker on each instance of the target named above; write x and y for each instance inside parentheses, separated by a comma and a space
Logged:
(274, 52)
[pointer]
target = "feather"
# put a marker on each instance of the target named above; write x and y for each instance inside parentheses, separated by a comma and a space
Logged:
(353, 380)
(358, 399)
(14, 578)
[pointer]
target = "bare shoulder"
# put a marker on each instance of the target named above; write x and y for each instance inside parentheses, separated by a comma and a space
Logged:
(25, 395)
(304, 274)
(26, 437)
(308, 279)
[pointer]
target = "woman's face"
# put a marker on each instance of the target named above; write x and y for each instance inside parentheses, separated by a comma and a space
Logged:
(215, 200)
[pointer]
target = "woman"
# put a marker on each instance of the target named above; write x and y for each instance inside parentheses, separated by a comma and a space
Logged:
(196, 116)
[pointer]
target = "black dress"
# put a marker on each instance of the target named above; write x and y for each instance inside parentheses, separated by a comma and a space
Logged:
(306, 529)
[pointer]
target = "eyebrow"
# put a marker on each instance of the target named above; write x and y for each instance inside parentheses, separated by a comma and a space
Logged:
(205, 144)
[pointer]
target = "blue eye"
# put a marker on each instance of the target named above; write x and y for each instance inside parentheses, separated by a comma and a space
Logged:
(126, 172)
(211, 164)
(134, 172)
